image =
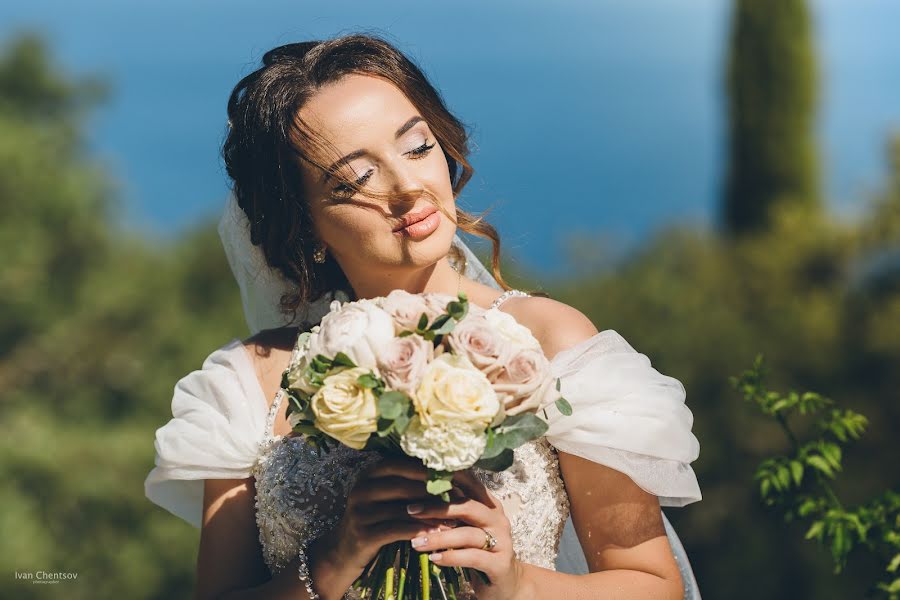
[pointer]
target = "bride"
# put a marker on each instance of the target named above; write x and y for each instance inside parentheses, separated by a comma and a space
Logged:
(346, 166)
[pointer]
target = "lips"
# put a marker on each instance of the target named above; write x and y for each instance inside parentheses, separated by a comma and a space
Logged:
(414, 217)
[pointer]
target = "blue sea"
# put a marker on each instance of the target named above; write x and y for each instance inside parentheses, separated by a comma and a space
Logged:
(594, 122)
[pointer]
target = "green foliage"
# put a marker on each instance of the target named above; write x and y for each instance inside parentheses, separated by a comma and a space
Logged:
(874, 525)
(772, 92)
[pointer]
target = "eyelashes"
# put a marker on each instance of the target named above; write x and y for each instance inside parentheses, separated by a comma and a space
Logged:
(344, 191)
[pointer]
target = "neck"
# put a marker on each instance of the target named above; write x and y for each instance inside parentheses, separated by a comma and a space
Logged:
(437, 278)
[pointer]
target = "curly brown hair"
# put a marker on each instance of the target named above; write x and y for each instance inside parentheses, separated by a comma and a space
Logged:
(266, 137)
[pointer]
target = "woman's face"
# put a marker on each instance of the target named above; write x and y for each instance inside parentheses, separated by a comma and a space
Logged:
(391, 150)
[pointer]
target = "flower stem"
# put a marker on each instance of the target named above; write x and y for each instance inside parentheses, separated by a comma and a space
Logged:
(426, 576)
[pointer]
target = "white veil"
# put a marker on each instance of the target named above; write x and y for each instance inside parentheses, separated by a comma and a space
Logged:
(261, 289)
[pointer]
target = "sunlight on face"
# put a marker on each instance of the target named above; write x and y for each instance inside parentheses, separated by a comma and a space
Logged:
(361, 116)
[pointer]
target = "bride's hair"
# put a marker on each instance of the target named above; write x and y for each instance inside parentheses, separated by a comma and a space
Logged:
(261, 151)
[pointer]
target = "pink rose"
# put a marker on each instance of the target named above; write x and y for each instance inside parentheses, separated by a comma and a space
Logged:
(404, 360)
(524, 383)
(406, 309)
(438, 302)
(482, 344)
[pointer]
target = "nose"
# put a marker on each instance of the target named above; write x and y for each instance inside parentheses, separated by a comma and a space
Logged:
(404, 183)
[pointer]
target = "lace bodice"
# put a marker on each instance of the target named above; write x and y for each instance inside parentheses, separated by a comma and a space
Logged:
(301, 494)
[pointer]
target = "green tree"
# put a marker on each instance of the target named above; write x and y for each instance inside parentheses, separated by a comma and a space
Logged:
(772, 92)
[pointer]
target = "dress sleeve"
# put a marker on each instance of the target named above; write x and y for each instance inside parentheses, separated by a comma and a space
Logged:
(218, 421)
(626, 415)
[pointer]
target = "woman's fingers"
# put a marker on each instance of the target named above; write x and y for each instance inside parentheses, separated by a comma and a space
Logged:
(459, 537)
(370, 514)
(469, 511)
(473, 558)
(473, 487)
(390, 487)
(398, 466)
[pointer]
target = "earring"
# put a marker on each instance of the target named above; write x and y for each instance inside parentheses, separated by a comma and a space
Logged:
(319, 254)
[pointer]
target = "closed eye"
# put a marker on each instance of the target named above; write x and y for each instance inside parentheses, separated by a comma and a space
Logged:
(344, 191)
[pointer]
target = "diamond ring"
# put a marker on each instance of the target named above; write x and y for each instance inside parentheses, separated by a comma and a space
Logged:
(489, 540)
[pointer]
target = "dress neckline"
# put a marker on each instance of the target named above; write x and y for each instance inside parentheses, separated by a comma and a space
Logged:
(506, 296)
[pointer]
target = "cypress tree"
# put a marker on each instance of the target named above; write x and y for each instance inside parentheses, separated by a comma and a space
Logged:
(772, 93)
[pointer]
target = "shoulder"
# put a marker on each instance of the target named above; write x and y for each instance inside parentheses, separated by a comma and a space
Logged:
(270, 352)
(556, 325)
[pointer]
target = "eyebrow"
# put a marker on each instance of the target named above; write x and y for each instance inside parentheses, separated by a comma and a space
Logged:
(357, 153)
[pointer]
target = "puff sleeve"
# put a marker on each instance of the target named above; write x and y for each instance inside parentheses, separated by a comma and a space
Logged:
(218, 421)
(627, 416)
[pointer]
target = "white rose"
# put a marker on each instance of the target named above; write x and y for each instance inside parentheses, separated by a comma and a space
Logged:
(452, 389)
(359, 329)
(345, 410)
(507, 326)
(404, 360)
(448, 446)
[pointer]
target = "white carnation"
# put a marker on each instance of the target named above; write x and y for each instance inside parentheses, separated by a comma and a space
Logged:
(445, 446)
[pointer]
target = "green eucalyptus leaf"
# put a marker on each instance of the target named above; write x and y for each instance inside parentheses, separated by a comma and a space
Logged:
(502, 461)
(563, 405)
(438, 486)
(392, 404)
(401, 423)
(368, 380)
(521, 428)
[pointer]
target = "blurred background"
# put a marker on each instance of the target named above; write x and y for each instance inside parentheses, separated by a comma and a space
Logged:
(712, 179)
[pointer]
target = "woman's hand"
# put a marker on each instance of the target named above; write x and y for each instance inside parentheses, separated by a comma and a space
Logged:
(375, 516)
(463, 546)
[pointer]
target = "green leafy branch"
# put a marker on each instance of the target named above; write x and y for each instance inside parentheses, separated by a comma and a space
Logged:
(798, 485)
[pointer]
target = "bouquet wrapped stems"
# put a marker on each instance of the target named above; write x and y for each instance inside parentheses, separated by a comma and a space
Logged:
(398, 572)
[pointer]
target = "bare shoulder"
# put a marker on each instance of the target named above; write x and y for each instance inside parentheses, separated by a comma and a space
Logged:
(555, 324)
(270, 351)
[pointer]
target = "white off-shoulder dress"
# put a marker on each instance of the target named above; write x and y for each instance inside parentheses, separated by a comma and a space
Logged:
(626, 415)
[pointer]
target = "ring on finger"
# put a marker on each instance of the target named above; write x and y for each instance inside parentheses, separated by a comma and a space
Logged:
(489, 540)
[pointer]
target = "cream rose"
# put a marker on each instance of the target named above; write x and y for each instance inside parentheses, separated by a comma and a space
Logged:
(449, 446)
(406, 309)
(523, 383)
(452, 389)
(361, 330)
(482, 344)
(507, 326)
(404, 360)
(345, 410)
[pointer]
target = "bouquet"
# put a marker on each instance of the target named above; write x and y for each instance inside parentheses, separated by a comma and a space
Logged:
(430, 376)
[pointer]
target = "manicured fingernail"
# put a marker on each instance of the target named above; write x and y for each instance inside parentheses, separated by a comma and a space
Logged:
(414, 508)
(434, 530)
(435, 556)
(418, 541)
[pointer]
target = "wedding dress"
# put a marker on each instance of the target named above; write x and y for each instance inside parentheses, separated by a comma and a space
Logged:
(626, 415)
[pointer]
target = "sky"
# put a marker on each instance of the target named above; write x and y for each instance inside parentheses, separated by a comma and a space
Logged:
(592, 121)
